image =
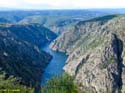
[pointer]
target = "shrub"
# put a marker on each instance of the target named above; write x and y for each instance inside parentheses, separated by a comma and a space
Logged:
(11, 85)
(60, 84)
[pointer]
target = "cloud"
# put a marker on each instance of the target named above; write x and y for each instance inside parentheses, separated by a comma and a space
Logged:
(62, 4)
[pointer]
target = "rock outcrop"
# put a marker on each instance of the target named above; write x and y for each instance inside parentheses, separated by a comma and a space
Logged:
(96, 54)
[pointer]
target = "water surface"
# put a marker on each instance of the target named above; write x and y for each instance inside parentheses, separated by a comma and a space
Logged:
(55, 67)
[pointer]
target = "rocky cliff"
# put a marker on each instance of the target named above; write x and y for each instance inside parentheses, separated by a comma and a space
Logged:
(96, 54)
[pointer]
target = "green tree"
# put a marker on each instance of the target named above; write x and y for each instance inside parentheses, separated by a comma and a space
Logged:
(60, 84)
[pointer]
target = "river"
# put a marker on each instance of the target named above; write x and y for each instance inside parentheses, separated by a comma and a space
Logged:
(55, 67)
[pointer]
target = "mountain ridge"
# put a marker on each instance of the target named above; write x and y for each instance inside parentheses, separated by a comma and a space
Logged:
(96, 52)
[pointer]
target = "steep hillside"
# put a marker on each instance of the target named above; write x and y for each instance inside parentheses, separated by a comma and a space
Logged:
(20, 56)
(58, 24)
(74, 37)
(22, 60)
(96, 54)
(3, 20)
(33, 33)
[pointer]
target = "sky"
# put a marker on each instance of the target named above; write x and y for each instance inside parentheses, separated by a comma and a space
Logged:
(62, 4)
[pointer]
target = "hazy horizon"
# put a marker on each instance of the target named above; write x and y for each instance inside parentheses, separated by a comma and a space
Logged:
(62, 4)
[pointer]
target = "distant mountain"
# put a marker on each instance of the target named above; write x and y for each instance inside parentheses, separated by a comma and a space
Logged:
(60, 20)
(56, 24)
(56, 20)
(96, 54)
(112, 11)
(12, 16)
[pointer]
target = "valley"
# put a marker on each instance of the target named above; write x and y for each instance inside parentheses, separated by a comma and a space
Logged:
(55, 67)
(69, 51)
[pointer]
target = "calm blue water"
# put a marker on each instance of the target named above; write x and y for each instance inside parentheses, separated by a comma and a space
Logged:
(55, 67)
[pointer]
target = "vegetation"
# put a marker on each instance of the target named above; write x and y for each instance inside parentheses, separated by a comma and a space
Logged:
(32, 33)
(3, 20)
(11, 85)
(111, 59)
(24, 63)
(13, 17)
(60, 84)
(19, 55)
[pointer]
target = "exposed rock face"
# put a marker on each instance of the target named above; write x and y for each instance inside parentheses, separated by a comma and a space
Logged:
(84, 30)
(96, 54)
(101, 73)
